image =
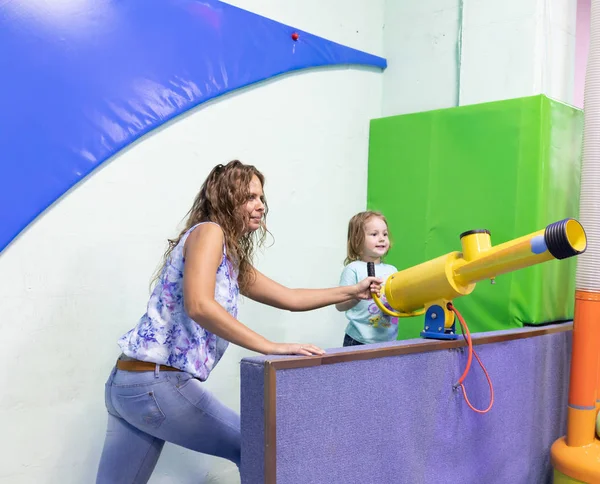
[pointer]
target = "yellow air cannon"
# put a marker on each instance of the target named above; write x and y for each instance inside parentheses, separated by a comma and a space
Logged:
(431, 287)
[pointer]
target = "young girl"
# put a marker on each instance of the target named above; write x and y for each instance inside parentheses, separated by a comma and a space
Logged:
(155, 392)
(368, 241)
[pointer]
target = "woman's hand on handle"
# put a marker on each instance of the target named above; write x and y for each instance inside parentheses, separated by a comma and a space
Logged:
(367, 286)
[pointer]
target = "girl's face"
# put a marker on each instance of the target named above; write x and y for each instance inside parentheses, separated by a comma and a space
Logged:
(377, 242)
(255, 207)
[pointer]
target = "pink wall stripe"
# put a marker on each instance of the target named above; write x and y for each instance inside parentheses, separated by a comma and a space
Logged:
(582, 46)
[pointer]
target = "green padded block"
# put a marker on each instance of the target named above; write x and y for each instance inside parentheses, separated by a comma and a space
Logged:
(511, 167)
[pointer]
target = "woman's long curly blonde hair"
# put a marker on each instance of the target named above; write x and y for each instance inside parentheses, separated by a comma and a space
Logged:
(220, 200)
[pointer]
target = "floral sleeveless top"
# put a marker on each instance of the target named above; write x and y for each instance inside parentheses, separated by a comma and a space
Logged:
(167, 335)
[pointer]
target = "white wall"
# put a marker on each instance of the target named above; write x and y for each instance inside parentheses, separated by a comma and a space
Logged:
(518, 48)
(445, 53)
(420, 43)
(78, 277)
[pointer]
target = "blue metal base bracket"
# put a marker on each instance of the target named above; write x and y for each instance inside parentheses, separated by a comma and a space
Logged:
(434, 325)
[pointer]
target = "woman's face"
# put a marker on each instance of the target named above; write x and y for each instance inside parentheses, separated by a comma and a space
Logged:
(255, 207)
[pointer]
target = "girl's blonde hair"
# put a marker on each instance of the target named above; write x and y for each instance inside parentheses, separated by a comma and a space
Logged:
(220, 200)
(356, 234)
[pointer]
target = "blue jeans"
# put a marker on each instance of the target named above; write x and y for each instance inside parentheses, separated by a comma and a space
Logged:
(147, 408)
(349, 341)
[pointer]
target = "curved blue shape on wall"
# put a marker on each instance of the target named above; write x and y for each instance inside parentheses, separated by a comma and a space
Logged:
(81, 79)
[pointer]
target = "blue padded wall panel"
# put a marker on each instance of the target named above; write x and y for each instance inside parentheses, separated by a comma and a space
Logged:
(81, 79)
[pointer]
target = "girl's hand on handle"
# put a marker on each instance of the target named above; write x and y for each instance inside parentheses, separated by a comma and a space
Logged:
(368, 285)
(295, 349)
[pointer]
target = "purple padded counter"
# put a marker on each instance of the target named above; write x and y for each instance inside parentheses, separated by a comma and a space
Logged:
(388, 413)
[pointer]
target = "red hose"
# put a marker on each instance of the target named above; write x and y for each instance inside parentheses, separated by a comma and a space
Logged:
(467, 335)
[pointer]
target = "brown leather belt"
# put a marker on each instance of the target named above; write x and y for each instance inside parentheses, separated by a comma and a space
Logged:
(136, 365)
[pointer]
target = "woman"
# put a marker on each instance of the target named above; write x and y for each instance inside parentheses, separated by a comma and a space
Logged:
(155, 392)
